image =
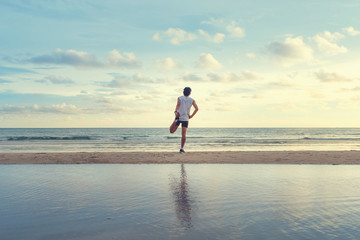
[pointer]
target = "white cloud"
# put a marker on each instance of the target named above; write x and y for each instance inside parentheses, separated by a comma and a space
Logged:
(235, 31)
(331, 36)
(282, 84)
(167, 64)
(351, 31)
(118, 82)
(63, 108)
(292, 51)
(316, 94)
(213, 21)
(250, 55)
(351, 89)
(59, 108)
(126, 81)
(217, 38)
(86, 60)
(176, 36)
(224, 108)
(69, 57)
(226, 77)
(326, 42)
(140, 78)
(248, 75)
(207, 61)
(118, 60)
(234, 77)
(156, 37)
(331, 77)
(190, 77)
(57, 80)
(11, 108)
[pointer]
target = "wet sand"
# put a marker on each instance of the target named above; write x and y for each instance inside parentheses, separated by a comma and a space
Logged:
(241, 157)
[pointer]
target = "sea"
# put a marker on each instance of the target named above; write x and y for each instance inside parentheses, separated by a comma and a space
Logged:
(159, 139)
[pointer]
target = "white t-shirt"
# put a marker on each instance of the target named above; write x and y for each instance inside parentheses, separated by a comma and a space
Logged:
(185, 105)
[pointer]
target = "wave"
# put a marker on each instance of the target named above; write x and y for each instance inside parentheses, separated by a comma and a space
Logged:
(331, 139)
(158, 138)
(47, 138)
(186, 137)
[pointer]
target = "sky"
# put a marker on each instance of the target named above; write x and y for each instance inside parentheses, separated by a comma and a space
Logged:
(250, 63)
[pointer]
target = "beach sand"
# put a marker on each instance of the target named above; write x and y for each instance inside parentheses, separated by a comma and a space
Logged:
(241, 157)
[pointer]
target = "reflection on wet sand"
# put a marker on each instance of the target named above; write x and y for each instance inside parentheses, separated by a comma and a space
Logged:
(183, 202)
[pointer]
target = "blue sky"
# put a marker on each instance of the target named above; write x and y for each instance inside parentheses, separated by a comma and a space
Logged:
(124, 63)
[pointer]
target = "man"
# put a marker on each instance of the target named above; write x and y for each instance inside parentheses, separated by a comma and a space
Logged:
(182, 115)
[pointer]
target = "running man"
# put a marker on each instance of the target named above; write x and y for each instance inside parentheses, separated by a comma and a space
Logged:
(182, 115)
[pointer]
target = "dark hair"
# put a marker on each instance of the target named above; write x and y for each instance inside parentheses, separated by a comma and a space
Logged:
(187, 91)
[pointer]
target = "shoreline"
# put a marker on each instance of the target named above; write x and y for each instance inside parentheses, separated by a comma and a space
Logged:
(221, 157)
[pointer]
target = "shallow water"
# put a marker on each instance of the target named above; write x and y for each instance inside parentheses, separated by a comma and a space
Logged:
(192, 201)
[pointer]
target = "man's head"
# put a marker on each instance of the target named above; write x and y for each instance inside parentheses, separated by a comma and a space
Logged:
(187, 91)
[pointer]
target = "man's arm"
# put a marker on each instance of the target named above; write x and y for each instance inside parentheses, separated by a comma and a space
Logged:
(196, 109)
(177, 107)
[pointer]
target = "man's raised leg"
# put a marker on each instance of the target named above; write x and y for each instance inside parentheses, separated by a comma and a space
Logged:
(173, 127)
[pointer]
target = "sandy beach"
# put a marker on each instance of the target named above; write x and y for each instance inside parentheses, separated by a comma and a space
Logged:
(241, 157)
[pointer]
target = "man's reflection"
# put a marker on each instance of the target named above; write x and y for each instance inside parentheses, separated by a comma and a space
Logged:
(183, 203)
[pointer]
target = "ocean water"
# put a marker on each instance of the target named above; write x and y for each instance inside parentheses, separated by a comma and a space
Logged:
(174, 201)
(159, 139)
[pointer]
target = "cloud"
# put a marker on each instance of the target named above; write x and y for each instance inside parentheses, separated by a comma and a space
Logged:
(351, 89)
(213, 21)
(224, 108)
(235, 31)
(11, 70)
(234, 77)
(124, 81)
(176, 36)
(69, 57)
(167, 64)
(331, 77)
(316, 94)
(62, 108)
(191, 77)
(207, 61)
(248, 75)
(118, 82)
(292, 51)
(351, 31)
(156, 37)
(250, 55)
(222, 77)
(217, 38)
(10, 108)
(282, 84)
(57, 108)
(56, 80)
(86, 60)
(326, 42)
(126, 60)
(254, 96)
(140, 78)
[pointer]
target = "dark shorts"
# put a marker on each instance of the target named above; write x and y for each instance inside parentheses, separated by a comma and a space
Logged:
(183, 123)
